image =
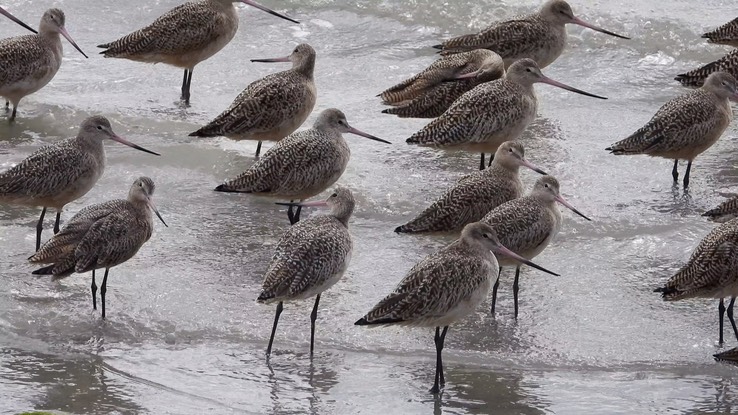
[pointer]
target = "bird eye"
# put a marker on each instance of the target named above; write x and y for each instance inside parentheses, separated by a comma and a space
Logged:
(334, 195)
(511, 150)
(484, 235)
(547, 186)
(99, 127)
(528, 70)
(294, 51)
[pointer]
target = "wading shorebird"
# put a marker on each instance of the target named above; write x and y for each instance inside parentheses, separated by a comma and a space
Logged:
(527, 226)
(303, 164)
(184, 36)
(310, 258)
(60, 173)
(445, 287)
(15, 19)
(101, 236)
(28, 63)
(540, 36)
(273, 107)
(712, 272)
(491, 113)
(686, 126)
(476, 194)
(430, 93)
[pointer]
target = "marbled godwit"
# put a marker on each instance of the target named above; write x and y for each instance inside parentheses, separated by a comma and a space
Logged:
(184, 36)
(726, 34)
(15, 19)
(540, 36)
(491, 113)
(712, 272)
(686, 126)
(29, 62)
(726, 211)
(728, 356)
(476, 194)
(526, 226)
(60, 173)
(445, 287)
(303, 164)
(273, 107)
(101, 236)
(696, 77)
(430, 93)
(310, 258)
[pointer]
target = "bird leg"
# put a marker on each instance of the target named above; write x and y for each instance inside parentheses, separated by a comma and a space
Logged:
(313, 317)
(291, 214)
(686, 175)
(494, 292)
(721, 313)
(186, 81)
(491, 159)
(12, 114)
(103, 289)
(7, 106)
(39, 228)
(730, 317)
(258, 150)
(440, 381)
(481, 163)
(57, 222)
(297, 213)
(274, 329)
(675, 171)
(93, 288)
(515, 290)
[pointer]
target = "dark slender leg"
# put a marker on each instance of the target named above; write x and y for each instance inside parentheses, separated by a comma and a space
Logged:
(186, 81)
(481, 163)
(93, 288)
(297, 214)
(313, 317)
(7, 106)
(675, 171)
(184, 84)
(721, 313)
(440, 380)
(291, 214)
(686, 175)
(274, 328)
(39, 228)
(57, 222)
(515, 290)
(494, 292)
(491, 158)
(189, 84)
(730, 317)
(12, 115)
(258, 150)
(103, 289)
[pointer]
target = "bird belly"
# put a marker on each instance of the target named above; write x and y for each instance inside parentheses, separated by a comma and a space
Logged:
(35, 78)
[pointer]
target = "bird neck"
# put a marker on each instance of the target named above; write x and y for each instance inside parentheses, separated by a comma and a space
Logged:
(306, 66)
(343, 213)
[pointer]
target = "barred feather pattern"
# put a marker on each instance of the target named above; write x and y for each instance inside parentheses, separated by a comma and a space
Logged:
(696, 77)
(726, 34)
(724, 212)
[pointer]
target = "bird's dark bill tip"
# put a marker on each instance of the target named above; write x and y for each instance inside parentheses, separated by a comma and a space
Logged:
(438, 46)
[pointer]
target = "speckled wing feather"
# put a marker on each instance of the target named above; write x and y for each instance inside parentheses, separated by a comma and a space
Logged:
(520, 224)
(21, 56)
(262, 106)
(434, 101)
(724, 212)
(428, 280)
(32, 176)
(713, 266)
(522, 36)
(470, 120)
(308, 254)
(726, 34)
(469, 200)
(696, 77)
(189, 26)
(689, 115)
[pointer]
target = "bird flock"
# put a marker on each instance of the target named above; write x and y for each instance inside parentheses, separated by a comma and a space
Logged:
(480, 97)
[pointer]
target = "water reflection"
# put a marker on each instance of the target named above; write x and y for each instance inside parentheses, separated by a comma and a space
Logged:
(297, 379)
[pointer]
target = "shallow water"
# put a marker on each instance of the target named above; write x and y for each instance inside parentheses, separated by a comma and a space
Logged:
(185, 334)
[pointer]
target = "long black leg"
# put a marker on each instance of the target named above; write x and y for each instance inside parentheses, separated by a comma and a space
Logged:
(675, 171)
(189, 84)
(515, 290)
(297, 214)
(291, 214)
(730, 317)
(494, 292)
(93, 288)
(274, 329)
(481, 163)
(39, 228)
(686, 175)
(57, 222)
(184, 85)
(7, 106)
(313, 317)
(440, 380)
(103, 289)
(491, 159)
(721, 313)
(258, 150)
(12, 114)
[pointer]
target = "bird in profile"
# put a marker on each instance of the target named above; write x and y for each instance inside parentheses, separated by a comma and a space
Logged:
(711, 272)
(15, 19)
(491, 113)
(310, 258)
(273, 107)
(101, 236)
(685, 126)
(29, 62)
(445, 287)
(430, 93)
(184, 36)
(540, 36)
(726, 34)
(60, 173)
(302, 165)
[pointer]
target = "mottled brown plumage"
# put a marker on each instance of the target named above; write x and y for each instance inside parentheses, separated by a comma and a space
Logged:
(540, 36)
(726, 211)
(685, 126)
(696, 77)
(726, 34)
(311, 256)
(474, 195)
